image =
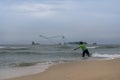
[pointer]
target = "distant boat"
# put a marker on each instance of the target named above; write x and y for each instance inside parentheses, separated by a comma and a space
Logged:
(33, 43)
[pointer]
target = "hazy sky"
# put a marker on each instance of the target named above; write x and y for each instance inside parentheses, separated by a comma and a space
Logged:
(22, 21)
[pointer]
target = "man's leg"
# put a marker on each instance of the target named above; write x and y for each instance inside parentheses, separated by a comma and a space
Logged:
(87, 52)
(83, 54)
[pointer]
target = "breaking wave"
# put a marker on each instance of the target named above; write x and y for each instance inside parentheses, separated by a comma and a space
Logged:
(108, 56)
(14, 48)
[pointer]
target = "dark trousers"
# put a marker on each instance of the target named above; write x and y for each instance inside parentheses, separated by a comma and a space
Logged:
(86, 52)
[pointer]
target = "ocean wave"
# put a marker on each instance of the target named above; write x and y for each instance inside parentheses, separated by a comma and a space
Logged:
(109, 56)
(1, 47)
(14, 48)
(103, 47)
(93, 47)
(12, 72)
(22, 64)
(108, 46)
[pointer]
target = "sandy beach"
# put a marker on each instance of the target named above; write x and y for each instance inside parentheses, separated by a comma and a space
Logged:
(83, 70)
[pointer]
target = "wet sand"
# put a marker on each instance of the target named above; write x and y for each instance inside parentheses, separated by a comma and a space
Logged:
(82, 70)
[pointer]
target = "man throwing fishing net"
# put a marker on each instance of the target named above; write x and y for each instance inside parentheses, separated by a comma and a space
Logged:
(84, 49)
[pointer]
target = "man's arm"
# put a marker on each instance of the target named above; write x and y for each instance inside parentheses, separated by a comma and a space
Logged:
(76, 48)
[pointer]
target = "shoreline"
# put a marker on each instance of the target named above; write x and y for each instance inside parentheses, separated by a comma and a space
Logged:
(79, 70)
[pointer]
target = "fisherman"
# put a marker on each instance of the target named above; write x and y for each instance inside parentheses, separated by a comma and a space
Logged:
(84, 49)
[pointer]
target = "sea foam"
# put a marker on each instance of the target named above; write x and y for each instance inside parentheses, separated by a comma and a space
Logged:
(106, 56)
(22, 71)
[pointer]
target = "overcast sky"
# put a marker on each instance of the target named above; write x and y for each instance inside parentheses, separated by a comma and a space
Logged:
(22, 21)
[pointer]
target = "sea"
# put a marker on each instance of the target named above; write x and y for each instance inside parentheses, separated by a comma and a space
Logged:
(21, 60)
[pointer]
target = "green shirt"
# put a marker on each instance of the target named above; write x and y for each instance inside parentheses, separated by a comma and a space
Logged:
(83, 47)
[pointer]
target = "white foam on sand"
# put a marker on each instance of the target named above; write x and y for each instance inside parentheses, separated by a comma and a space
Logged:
(22, 71)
